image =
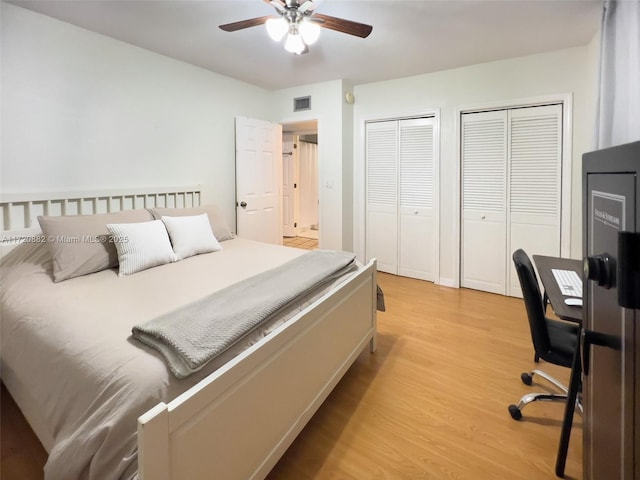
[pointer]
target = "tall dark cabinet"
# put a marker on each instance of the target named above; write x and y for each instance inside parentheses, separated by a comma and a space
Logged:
(611, 334)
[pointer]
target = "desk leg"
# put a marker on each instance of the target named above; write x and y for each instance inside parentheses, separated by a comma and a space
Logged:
(567, 421)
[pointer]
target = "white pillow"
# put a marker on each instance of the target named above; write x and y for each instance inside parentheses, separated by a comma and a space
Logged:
(191, 235)
(141, 245)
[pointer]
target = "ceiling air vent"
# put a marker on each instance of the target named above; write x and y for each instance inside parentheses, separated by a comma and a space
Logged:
(301, 103)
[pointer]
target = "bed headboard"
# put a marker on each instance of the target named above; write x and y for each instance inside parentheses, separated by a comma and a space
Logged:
(19, 211)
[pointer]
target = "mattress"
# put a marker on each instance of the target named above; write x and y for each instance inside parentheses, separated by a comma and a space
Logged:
(68, 356)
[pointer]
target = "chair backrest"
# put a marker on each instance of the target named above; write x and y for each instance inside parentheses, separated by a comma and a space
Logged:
(532, 301)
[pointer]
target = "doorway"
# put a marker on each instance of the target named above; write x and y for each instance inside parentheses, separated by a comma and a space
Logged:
(300, 195)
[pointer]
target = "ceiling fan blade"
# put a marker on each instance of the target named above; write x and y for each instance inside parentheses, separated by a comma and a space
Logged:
(252, 22)
(344, 26)
(278, 4)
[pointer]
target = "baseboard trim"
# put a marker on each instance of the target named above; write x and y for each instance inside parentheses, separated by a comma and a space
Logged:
(448, 282)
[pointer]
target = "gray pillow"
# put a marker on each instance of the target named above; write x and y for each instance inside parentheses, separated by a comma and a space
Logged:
(218, 223)
(81, 244)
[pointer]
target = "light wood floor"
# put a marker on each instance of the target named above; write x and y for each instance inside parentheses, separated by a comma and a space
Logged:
(431, 403)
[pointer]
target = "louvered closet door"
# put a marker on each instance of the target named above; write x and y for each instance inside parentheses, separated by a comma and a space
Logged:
(534, 184)
(417, 240)
(484, 203)
(382, 194)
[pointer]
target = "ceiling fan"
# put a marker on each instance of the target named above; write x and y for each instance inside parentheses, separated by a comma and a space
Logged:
(298, 21)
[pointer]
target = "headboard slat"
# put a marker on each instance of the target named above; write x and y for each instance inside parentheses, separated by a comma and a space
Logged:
(28, 215)
(7, 216)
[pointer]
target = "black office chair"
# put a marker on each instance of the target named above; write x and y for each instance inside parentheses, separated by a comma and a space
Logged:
(554, 341)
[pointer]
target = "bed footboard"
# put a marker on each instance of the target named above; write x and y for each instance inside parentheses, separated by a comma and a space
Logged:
(238, 422)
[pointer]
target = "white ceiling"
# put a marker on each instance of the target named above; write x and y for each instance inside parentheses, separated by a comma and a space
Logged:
(409, 37)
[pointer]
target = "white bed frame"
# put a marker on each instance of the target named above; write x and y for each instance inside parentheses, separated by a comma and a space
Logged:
(237, 422)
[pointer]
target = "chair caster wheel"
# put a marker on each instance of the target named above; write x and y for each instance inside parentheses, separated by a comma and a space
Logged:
(526, 379)
(516, 414)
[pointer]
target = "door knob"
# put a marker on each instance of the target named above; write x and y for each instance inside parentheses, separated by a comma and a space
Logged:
(601, 269)
(243, 204)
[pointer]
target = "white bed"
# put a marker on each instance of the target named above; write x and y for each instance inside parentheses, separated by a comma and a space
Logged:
(233, 420)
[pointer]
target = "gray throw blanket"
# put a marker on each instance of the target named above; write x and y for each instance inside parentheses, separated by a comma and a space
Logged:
(195, 334)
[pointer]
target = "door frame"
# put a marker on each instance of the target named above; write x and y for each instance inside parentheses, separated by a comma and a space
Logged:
(296, 134)
(566, 99)
(360, 182)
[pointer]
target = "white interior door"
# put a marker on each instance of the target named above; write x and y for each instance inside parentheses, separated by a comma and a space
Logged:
(484, 203)
(382, 194)
(258, 180)
(416, 235)
(288, 188)
(308, 155)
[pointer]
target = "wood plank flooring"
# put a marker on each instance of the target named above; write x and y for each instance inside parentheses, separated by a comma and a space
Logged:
(431, 403)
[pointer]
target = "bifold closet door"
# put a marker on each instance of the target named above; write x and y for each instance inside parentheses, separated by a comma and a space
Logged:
(399, 223)
(511, 192)
(382, 194)
(484, 201)
(416, 232)
(534, 184)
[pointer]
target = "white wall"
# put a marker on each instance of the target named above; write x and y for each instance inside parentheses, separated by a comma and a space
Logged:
(561, 72)
(347, 170)
(326, 107)
(84, 111)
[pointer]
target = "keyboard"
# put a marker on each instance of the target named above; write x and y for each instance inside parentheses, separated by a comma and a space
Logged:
(569, 282)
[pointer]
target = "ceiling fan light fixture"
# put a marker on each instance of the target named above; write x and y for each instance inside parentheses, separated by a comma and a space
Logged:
(310, 31)
(294, 43)
(297, 20)
(277, 28)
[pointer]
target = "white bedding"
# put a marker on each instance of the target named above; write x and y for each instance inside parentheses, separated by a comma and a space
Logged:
(68, 346)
